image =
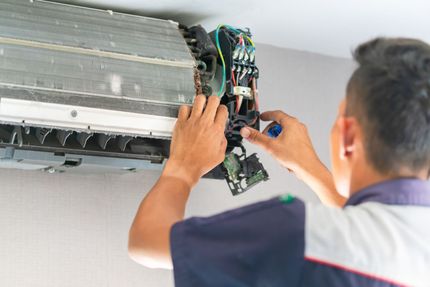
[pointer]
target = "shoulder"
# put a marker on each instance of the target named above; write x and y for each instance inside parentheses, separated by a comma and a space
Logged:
(371, 239)
(282, 208)
(247, 246)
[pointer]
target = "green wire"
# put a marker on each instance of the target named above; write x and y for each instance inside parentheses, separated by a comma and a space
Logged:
(240, 32)
(222, 59)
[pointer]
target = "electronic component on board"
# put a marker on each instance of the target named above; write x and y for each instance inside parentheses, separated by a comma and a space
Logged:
(243, 172)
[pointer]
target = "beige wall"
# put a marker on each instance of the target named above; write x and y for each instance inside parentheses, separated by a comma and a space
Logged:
(71, 230)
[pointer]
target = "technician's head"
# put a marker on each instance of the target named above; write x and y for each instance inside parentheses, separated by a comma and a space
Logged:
(383, 126)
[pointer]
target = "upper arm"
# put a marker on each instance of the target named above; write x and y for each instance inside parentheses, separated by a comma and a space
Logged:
(150, 231)
(258, 245)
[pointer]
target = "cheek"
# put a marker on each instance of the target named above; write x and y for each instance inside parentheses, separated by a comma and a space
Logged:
(335, 156)
(339, 172)
(334, 147)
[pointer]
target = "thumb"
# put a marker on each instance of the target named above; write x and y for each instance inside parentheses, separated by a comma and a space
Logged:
(255, 137)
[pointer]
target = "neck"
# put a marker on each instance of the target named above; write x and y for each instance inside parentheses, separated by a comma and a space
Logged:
(365, 177)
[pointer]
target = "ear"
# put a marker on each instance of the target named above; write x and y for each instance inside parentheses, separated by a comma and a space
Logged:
(348, 134)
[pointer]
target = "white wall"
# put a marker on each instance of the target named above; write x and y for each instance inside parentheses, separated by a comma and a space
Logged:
(71, 230)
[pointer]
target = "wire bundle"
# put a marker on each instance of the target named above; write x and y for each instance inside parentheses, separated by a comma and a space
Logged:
(218, 46)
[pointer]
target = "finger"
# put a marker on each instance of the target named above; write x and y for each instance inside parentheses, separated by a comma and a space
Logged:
(221, 115)
(211, 108)
(199, 104)
(184, 113)
(256, 137)
(276, 116)
(268, 127)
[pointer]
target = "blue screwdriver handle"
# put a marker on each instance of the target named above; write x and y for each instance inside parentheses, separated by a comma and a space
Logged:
(274, 131)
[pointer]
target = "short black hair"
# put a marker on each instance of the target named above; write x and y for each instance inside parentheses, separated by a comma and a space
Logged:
(389, 94)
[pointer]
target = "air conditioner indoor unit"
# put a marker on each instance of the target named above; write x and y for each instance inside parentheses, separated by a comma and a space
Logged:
(84, 89)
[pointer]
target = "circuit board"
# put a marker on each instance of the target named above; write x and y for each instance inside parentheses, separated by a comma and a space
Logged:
(242, 172)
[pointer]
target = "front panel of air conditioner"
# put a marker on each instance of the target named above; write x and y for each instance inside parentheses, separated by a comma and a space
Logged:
(84, 88)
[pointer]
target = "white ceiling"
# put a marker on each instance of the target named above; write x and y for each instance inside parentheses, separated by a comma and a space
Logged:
(331, 27)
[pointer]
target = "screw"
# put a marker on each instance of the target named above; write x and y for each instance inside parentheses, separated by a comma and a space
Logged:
(74, 113)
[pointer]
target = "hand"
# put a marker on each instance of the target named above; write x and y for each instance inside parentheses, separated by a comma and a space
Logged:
(292, 148)
(198, 141)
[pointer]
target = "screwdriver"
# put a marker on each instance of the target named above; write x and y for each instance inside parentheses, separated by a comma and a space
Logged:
(274, 131)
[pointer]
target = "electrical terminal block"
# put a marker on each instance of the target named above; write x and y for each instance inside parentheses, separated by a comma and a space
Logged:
(242, 91)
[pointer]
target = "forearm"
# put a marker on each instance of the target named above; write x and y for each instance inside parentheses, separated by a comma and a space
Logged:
(294, 150)
(198, 145)
(149, 242)
(320, 180)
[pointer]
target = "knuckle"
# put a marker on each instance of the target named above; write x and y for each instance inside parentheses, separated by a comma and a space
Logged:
(214, 98)
(282, 113)
(179, 124)
(303, 126)
(200, 99)
(202, 123)
(253, 136)
(269, 149)
(221, 157)
(222, 110)
(292, 121)
(219, 126)
(285, 121)
(191, 120)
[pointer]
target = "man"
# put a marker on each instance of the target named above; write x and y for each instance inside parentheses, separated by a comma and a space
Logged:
(380, 152)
